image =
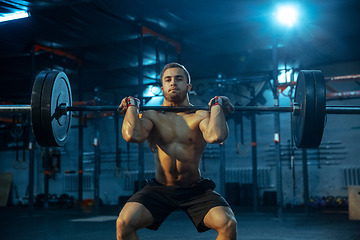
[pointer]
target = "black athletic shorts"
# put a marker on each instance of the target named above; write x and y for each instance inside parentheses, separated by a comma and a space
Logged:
(195, 200)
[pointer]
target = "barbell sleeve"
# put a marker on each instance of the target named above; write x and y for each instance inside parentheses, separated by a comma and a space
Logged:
(265, 109)
(343, 109)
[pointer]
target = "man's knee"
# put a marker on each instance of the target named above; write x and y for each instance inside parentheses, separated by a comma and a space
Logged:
(232, 224)
(220, 219)
(226, 227)
(123, 228)
(229, 225)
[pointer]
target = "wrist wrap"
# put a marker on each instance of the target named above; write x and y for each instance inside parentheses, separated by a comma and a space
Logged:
(216, 101)
(132, 102)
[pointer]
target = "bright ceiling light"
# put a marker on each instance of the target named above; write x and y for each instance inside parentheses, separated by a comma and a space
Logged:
(13, 16)
(152, 91)
(287, 15)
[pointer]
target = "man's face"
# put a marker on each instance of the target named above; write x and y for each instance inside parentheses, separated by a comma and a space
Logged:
(174, 85)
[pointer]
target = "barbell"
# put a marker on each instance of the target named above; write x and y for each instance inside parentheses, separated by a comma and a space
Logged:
(51, 104)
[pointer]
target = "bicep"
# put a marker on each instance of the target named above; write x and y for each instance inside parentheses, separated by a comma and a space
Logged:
(213, 130)
(136, 131)
(147, 125)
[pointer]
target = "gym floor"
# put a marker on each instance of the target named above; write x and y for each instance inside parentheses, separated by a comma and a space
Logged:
(64, 223)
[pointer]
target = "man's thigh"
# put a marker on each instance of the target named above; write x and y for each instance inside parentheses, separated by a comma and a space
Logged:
(198, 207)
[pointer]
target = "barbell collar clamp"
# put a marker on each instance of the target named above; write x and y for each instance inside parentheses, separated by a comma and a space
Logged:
(296, 109)
(63, 109)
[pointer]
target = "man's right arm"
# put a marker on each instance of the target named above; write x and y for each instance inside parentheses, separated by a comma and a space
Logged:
(134, 129)
(214, 127)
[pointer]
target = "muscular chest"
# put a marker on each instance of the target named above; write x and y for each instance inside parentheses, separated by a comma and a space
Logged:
(173, 127)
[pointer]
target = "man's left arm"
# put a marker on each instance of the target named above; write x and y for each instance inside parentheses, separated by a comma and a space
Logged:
(214, 127)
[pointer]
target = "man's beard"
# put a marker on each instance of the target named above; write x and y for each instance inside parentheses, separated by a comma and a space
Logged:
(177, 97)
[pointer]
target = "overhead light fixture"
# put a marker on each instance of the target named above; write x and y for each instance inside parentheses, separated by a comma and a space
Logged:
(13, 16)
(152, 91)
(287, 15)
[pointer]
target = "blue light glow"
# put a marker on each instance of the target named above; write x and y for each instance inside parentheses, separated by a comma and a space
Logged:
(13, 16)
(152, 91)
(287, 15)
(285, 77)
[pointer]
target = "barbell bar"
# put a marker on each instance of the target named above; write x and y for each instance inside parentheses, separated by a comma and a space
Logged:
(51, 102)
(63, 108)
(336, 109)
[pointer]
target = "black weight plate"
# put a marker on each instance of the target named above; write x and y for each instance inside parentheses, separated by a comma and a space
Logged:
(35, 112)
(305, 98)
(56, 90)
(320, 108)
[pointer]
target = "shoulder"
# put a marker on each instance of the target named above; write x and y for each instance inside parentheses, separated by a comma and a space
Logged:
(149, 114)
(202, 113)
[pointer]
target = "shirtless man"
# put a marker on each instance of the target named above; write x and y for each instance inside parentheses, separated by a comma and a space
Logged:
(177, 140)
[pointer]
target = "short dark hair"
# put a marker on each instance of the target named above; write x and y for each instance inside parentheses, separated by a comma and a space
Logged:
(175, 65)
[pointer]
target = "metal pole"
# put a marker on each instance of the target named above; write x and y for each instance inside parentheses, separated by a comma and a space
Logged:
(117, 135)
(306, 180)
(279, 193)
(222, 163)
(31, 174)
(97, 159)
(46, 165)
(222, 169)
(254, 153)
(141, 174)
(81, 144)
(31, 150)
(291, 142)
